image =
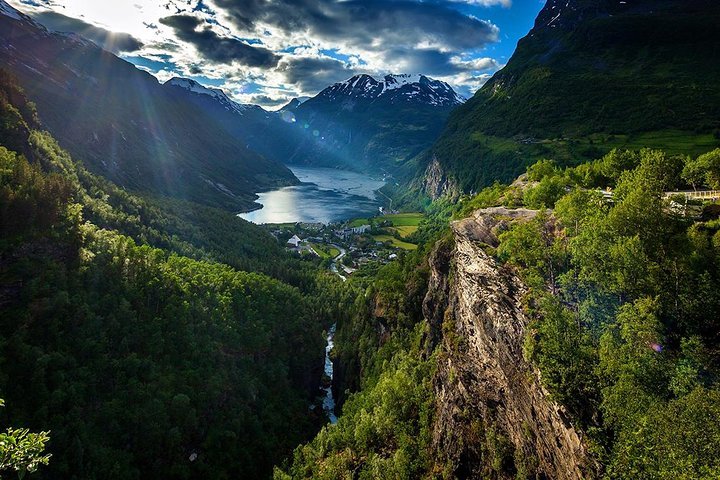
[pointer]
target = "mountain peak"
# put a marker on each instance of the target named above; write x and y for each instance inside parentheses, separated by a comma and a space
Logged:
(412, 88)
(199, 89)
(294, 103)
(8, 11)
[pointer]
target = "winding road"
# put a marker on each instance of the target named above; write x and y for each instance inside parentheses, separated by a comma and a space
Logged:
(333, 266)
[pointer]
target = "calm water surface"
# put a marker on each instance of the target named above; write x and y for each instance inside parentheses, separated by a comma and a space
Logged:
(326, 195)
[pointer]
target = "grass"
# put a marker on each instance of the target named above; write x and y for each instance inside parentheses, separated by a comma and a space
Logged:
(395, 242)
(397, 220)
(325, 251)
(359, 222)
(405, 232)
(403, 219)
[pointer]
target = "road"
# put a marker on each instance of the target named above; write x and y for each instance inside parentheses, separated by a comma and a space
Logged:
(336, 260)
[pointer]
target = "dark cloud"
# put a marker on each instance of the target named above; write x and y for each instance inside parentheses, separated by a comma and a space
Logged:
(311, 74)
(435, 62)
(368, 23)
(111, 41)
(409, 35)
(217, 48)
(266, 101)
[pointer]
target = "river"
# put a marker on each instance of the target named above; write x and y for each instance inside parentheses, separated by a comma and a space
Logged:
(329, 401)
(326, 195)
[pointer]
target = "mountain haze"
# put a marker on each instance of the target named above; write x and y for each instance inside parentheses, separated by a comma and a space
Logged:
(127, 127)
(363, 123)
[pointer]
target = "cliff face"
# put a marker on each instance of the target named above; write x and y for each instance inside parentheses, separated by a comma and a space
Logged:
(493, 418)
(436, 183)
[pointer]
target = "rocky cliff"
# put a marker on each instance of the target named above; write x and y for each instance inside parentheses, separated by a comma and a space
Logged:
(493, 417)
(436, 183)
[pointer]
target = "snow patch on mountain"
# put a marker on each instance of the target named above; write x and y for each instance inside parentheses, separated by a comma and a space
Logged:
(396, 81)
(395, 88)
(9, 11)
(215, 93)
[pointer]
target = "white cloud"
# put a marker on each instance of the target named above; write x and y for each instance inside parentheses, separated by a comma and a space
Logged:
(273, 51)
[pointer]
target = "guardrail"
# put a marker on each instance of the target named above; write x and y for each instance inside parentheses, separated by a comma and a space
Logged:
(697, 195)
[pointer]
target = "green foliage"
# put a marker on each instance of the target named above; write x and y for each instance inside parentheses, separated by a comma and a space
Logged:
(22, 451)
(604, 77)
(142, 361)
(384, 431)
(545, 193)
(565, 354)
(631, 364)
(538, 171)
(704, 170)
(680, 439)
(488, 197)
(625, 320)
(30, 202)
(385, 428)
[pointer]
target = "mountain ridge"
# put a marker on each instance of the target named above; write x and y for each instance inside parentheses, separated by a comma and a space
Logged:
(571, 90)
(125, 125)
(399, 87)
(370, 125)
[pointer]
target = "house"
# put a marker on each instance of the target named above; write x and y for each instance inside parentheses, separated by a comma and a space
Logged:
(294, 242)
(361, 229)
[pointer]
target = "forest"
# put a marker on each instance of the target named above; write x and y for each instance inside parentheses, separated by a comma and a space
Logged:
(148, 337)
(625, 309)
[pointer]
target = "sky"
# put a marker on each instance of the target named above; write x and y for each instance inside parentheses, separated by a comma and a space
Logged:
(267, 52)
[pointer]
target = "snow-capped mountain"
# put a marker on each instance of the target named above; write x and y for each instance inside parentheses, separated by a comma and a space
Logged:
(371, 124)
(395, 89)
(214, 93)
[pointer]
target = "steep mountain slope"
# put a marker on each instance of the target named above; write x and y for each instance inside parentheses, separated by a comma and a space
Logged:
(592, 75)
(369, 124)
(483, 383)
(146, 362)
(126, 126)
(260, 131)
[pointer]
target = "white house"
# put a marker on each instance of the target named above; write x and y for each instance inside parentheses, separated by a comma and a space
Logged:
(361, 229)
(294, 242)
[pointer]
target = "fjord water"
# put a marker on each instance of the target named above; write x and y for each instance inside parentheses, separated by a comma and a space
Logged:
(326, 195)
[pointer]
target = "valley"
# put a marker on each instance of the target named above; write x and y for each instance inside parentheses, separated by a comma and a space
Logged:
(360, 240)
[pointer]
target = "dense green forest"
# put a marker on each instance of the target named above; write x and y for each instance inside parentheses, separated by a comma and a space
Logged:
(385, 427)
(624, 293)
(625, 327)
(153, 337)
(133, 329)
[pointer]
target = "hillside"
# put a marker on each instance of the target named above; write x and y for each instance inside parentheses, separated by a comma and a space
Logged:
(591, 76)
(548, 331)
(249, 124)
(126, 126)
(123, 334)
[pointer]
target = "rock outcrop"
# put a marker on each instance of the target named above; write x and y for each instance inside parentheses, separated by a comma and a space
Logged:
(436, 183)
(493, 417)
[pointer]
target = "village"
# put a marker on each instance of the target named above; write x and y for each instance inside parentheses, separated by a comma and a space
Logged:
(347, 247)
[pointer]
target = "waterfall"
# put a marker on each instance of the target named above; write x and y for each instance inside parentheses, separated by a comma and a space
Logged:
(329, 401)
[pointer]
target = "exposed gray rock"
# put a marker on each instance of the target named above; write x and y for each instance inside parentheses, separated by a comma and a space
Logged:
(436, 183)
(493, 417)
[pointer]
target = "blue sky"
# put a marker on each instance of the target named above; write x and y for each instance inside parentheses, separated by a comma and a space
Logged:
(269, 51)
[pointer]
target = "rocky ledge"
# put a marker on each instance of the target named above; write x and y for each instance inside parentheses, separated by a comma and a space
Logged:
(493, 417)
